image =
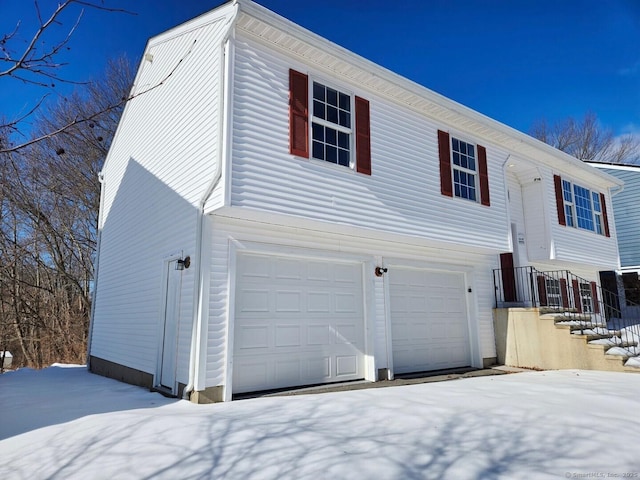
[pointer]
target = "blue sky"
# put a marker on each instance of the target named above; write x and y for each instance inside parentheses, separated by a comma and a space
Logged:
(515, 61)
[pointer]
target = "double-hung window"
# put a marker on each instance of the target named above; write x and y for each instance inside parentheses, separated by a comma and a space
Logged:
(328, 124)
(580, 207)
(331, 125)
(465, 174)
(584, 208)
(597, 213)
(463, 169)
(567, 195)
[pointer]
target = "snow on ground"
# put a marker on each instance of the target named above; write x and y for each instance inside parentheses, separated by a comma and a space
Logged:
(65, 423)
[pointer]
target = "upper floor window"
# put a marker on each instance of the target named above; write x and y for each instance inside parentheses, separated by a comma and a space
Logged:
(580, 207)
(567, 195)
(340, 124)
(463, 169)
(597, 213)
(331, 125)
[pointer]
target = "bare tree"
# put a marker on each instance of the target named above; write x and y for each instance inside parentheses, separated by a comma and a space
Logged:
(34, 58)
(49, 200)
(588, 140)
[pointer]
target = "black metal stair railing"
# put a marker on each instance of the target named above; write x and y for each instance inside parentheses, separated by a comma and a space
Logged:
(581, 303)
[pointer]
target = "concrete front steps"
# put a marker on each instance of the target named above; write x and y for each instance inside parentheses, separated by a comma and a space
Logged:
(533, 338)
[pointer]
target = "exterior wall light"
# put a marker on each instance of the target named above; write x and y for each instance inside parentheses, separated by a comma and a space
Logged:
(380, 271)
(183, 263)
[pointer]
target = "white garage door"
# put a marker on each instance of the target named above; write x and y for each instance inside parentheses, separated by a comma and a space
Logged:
(297, 322)
(429, 325)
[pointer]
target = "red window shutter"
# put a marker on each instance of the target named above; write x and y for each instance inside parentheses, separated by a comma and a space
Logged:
(484, 176)
(564, 293)
(444, 149)
(605, 219)
(298, 114)
(557, 181)
(576, 295)
(542, 291)
(594, 297)
(363, 137)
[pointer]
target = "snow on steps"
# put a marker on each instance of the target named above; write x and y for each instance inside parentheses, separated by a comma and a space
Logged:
(596, 333)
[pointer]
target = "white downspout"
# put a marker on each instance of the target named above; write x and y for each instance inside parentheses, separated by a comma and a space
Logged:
(95, 270)
(196, 330)
(505, 183)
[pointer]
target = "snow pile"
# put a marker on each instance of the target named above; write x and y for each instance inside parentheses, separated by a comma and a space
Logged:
(633, 362)
(66, 423)
(612, 341)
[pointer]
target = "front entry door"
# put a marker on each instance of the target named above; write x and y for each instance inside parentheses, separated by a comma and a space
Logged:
(169, 344)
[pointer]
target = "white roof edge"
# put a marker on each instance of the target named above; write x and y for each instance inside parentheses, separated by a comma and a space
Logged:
(615, 166)
(204, 18)
(281, 23)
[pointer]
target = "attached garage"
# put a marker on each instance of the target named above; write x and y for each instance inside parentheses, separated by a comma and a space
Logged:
(429, 320)
(297, 321)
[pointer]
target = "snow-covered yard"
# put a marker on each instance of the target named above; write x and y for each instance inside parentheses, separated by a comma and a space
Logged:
(65, 423)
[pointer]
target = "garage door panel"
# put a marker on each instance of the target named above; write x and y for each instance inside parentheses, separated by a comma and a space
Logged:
(346, 274)
(318, 368)
(250, 373)
(288, 269)
(258, 269)
(318, 302)
(429, 325)
(346, 365)
(347, 334)
(254, 300)
(348, 302)
(288, 301)
(318, 335)
(287, 371)
(251, 337)
(318, 271)
(304, 322)
(288, 336)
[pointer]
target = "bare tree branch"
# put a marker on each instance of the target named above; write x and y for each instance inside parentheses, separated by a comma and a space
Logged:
(88, 118)
(30, 63)
(588, 140)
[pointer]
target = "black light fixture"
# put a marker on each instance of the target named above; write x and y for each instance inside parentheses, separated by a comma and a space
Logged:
(183, 263)
(380, 271)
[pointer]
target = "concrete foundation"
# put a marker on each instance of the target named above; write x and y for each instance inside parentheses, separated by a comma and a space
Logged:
(120, 372)
(526, 339)
(208, 395)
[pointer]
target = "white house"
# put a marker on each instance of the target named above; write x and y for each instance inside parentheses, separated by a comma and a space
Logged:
(278, 211)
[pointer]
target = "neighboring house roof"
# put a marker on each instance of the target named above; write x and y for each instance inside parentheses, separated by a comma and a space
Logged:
(291, 38)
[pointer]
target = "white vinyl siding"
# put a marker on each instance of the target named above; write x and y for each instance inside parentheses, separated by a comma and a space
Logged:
(401, 196)
(160, 162)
